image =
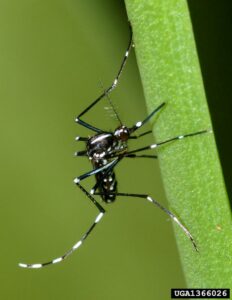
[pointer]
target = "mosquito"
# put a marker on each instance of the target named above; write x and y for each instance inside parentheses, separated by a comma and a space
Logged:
(105, 149)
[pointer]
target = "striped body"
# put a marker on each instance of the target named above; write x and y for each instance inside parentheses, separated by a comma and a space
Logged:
(108, 188)
(101, 149)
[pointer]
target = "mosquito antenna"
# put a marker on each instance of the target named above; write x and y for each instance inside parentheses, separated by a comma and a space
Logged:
(111, 103)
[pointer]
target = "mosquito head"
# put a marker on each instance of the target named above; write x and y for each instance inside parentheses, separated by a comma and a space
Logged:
(122, 133)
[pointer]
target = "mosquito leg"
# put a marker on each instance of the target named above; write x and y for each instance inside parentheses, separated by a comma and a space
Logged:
(81, 153)
(107, 91)
(132, 137)
(140, 156)
(100, 181)
(80, 138)
(168, 212)
(78, 244)
(110, 165)
(179, 137)
(141, 123)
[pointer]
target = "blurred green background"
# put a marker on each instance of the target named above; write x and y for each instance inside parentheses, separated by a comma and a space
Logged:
(54, 55)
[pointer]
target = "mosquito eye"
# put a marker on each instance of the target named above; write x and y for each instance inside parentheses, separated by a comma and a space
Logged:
(122, 134)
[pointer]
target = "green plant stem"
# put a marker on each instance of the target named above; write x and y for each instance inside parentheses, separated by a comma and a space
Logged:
(190, 168)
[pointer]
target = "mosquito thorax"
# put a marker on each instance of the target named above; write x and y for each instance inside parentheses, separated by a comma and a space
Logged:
(100, 145)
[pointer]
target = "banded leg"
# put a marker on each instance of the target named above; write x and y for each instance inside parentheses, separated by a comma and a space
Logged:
(168, 212)
(81, 138)
(99, 182)
(140, 156)
(179, 137)
(137, 156)
(141, 123)
(95, 171)
(81, 153)
(75, 246)
(107, 91)
(133, 137)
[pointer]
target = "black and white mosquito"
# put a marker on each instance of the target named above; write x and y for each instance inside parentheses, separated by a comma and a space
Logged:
(105, 150)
